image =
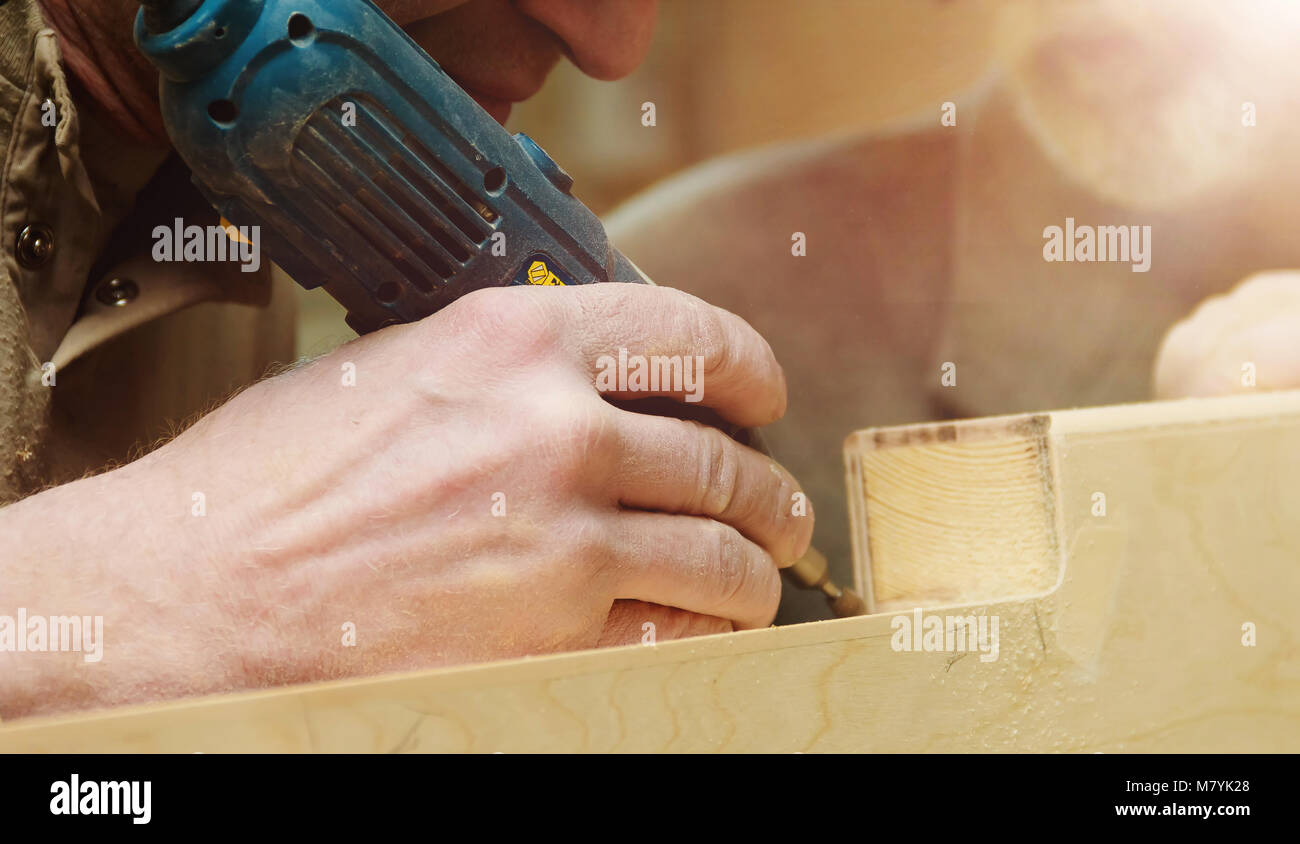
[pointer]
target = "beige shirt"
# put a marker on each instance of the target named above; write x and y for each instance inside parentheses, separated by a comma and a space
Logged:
(104, 351)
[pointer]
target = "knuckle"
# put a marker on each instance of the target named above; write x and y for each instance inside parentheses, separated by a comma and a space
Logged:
(738, 355)
(729, 555)
(717, 342)
(605, 304)
(576, 439)
(587, 549)
(681, 624)
(514, 322)
(706, 625)
(575, 571)
(718, 471)
(607, 314)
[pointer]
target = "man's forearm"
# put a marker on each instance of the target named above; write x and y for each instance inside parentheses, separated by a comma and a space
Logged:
(315, 527)
(114, 554)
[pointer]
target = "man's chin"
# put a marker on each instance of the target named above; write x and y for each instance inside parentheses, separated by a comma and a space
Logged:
(499, 109)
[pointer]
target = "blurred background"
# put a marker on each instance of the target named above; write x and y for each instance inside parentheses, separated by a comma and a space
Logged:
(1138, 99)
(727, 75)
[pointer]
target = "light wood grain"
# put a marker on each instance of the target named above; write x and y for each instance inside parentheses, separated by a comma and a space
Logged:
(1136, 647)
(953, 512)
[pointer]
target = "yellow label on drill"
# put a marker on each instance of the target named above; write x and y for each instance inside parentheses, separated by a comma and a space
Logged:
(539, 273)
(542, 270)
(232, 231)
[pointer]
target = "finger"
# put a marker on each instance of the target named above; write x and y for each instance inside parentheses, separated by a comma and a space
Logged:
(637, 341)
(678, 466)
(640, 623)
(1240, 341)
(694, 564)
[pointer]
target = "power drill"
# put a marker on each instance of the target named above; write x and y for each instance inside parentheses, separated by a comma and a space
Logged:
(369, 171)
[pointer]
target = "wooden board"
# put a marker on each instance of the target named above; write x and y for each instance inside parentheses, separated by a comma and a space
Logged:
(953, 512)
(1136, 644)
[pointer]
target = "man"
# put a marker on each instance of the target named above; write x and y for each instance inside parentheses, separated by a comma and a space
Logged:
(923, 289)
(469, 494)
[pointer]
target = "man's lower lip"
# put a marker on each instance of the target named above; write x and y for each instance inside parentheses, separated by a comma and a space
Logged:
(499, 109)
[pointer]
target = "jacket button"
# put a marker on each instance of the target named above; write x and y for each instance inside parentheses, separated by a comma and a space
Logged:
(117, 292)
(35, 245)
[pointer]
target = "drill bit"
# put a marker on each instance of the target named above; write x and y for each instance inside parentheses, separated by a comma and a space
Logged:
(811, 571)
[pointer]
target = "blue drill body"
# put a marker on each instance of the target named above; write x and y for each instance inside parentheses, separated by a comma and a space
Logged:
(369, 171)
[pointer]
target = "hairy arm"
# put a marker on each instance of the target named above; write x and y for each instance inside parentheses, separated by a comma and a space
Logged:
(454, 490)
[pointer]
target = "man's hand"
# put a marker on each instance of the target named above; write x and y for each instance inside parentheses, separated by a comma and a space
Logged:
(453, 490)
(1245, 340)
